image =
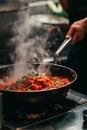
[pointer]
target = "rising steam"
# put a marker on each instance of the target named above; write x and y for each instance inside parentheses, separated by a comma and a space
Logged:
(29, 44)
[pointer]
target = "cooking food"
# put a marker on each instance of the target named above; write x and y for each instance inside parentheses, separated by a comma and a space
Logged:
(34, 81)
(17, 93)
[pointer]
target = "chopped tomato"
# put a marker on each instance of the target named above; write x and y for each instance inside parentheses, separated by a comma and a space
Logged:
(35, 82)
(36, 87)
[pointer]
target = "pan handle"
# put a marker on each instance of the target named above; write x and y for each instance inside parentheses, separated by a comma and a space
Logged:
(62, 46)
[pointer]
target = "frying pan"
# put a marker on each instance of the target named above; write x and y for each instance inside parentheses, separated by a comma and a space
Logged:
(39, 97)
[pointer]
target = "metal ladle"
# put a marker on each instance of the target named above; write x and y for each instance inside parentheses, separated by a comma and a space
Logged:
(59, 50)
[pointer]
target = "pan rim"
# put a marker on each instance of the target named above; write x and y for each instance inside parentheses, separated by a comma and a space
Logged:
(43, 90)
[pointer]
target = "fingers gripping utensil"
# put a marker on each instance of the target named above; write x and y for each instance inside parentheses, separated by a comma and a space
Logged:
(62, 46)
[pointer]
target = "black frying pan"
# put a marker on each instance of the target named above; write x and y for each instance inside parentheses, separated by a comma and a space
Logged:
(40, 96)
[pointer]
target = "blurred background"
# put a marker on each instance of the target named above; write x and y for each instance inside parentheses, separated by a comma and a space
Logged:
(37, 25)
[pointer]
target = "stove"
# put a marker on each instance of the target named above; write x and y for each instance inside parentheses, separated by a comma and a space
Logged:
(66, 114)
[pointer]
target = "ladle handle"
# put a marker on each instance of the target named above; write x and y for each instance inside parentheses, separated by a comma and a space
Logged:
(62, 46)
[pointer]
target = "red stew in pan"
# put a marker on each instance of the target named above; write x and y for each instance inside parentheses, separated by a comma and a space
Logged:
(35, 83)
(32, 82)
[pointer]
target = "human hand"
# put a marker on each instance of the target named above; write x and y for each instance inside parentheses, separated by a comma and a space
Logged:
(77, 30)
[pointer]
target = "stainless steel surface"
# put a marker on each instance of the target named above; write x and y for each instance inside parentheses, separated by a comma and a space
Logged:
(13, 5)
(61, 48)
(50, 19)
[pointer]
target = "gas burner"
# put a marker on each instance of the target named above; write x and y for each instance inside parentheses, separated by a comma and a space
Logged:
(21, 114)
(30, 113)
(34, 116)
(25, 118)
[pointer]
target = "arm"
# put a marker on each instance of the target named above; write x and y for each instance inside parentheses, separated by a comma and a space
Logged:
(77, 30)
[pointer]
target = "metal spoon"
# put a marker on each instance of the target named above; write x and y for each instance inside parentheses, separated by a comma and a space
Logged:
(59, 50)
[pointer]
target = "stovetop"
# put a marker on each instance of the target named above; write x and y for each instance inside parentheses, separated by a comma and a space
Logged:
(64, 115)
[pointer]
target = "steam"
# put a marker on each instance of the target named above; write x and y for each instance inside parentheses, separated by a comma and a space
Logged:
(29, 47)
(21, 29)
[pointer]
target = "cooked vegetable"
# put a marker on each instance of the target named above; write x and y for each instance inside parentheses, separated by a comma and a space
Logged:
(33, 82)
